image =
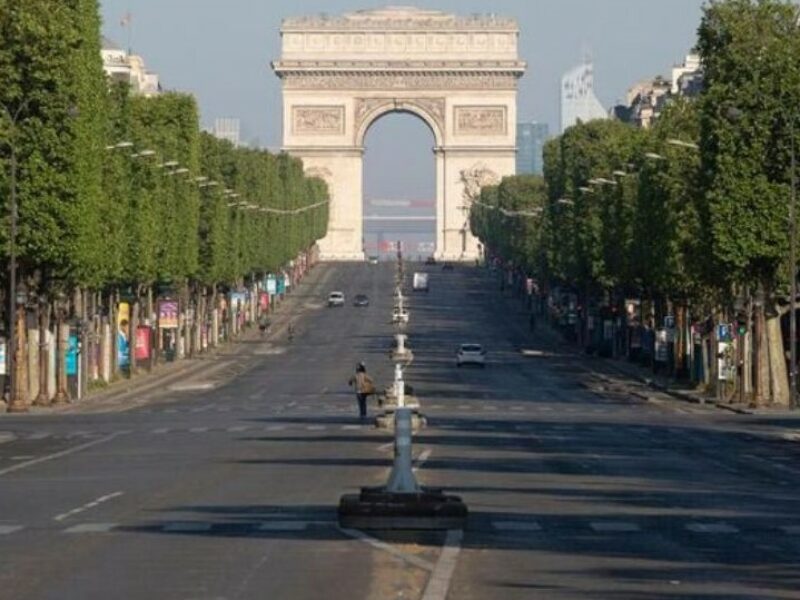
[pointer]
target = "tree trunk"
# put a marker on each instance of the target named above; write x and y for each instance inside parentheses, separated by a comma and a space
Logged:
(761, 357)
(43, 398)
(779, 377)
(132, 333)
(62, 344)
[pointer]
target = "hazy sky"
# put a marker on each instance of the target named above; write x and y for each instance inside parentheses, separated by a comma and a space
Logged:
(220, 51)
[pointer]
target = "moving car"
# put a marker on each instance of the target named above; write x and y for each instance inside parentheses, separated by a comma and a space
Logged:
(420, 282)
(471, 354)
(335, 299)
(361, 300)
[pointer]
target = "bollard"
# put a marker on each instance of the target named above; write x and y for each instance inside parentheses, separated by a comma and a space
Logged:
(401, 479)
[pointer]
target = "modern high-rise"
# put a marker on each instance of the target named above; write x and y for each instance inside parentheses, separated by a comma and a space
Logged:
(227, 129)
(531, 138)
(578, 102)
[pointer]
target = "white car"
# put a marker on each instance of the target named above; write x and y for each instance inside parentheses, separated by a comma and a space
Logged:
(335, 299)
(471, 354)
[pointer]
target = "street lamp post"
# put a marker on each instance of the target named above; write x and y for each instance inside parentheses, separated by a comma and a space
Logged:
(793, 274)
(15, 403)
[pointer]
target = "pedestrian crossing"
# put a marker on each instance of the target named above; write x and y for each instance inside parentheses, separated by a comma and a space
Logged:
(518, 527)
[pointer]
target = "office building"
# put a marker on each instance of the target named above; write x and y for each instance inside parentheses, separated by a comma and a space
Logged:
(578, 101)
(531, 138)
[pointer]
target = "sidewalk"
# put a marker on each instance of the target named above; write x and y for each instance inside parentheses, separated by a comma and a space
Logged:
(166, 373)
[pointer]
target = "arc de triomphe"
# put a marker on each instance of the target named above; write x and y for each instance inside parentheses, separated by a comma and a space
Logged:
(458, 74)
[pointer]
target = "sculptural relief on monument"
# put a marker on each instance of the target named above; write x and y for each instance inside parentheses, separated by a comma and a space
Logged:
(480, 120)
(399, 81)
(476, 177)
(318, 120)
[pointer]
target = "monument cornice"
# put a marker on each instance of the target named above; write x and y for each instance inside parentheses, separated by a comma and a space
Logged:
(284, 66)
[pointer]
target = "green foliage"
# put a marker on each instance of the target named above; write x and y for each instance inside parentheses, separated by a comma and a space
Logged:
(751, 56)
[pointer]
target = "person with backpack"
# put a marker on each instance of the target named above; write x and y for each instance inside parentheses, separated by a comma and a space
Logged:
(364, 386)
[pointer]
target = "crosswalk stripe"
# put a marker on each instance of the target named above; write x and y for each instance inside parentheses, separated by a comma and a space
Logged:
(7, 529)
(91, 528)
(517, 526)
(712, 528)
(186, 527)
(283, 526)
(613, 526)
(791, 529)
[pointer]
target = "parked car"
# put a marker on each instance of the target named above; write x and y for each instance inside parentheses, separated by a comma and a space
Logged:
(361, 300)
(471, 354)
(335, 299)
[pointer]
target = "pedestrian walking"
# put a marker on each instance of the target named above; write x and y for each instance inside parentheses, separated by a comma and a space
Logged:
(364, 387)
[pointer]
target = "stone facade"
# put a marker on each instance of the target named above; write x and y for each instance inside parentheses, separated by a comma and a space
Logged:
(458, 74)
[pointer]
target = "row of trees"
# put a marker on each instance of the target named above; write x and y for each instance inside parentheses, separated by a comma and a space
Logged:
(691, 213)
(121, 192)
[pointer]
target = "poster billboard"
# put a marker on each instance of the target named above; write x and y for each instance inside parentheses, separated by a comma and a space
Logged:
(272, 284)
(168, 314)
(3, 368)
(142, 349)
(72, 354)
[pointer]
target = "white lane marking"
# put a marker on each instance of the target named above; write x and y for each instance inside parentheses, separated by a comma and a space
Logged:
(351, 427)
(791, 529)
(186, 527)
(7, 529)
(517, 526)
(422, 458)
(91, 528)
(87, 506)
(614, 526)
(238, 429)
(275, 428)
(39, 436)
(712, 528)
(198, 430)
(409, 558)
(439, 583)
(161, 431)
(316, 428)
(56, 455)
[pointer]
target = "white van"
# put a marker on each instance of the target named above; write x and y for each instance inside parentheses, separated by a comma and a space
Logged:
(420, 282)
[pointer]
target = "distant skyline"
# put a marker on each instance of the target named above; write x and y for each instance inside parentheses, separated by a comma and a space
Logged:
(221, 52)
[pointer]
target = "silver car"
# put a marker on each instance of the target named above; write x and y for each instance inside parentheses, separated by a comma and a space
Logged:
(335, 299)
(471, 354)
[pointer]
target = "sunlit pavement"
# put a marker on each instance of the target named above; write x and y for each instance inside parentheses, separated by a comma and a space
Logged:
(225, 486)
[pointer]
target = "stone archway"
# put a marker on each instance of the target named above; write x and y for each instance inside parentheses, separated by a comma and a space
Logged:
(458, 74)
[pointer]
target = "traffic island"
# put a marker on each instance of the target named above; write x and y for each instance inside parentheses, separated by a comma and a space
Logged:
(402, 503)
(377, 508)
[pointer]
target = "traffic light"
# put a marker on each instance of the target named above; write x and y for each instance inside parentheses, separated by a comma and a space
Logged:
(741, 324)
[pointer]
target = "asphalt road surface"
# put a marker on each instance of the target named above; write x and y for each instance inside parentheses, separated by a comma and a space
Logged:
(224, 485)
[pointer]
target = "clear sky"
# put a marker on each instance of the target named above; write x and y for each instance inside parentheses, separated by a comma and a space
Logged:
(220, 51)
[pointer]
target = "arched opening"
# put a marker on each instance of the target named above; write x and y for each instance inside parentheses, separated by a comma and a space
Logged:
(399, 186)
